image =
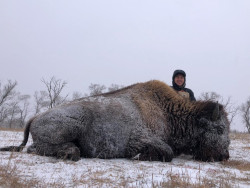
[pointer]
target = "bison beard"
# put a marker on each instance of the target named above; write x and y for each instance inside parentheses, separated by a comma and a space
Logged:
(145, 121)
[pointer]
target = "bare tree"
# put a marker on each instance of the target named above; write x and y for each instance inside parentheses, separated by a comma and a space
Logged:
(12, 111)
(96, 89)
(114, 87)
(76, 95)
(13, 106)
(17, 110)
(229, 106)
(3, 114)
(231, 109)
(210, 96)
(23, 109)
(40, 101)
(54, 88)
(245, 113)
(7, 93)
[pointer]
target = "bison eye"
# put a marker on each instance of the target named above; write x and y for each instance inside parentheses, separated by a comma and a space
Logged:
(203, 121)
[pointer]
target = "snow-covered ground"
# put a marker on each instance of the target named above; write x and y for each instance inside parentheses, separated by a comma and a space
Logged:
(181, 172)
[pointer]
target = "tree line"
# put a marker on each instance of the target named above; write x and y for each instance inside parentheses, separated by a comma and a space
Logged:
(15, 108)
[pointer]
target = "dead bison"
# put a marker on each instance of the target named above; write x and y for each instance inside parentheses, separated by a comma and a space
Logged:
(148, 120)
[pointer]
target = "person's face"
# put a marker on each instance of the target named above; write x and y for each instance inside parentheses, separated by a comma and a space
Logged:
(179, 79)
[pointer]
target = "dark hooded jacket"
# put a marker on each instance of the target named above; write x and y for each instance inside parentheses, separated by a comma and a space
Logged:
(182, 88)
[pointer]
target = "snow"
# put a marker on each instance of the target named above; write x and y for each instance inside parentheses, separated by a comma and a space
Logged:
(124, 172)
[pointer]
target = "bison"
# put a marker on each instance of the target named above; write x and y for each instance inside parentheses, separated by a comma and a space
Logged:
(148, 120)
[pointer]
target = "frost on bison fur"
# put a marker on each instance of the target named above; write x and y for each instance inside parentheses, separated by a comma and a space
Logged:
(148, 120)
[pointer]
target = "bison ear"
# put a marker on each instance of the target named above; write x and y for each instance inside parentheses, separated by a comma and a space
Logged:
(216, 112)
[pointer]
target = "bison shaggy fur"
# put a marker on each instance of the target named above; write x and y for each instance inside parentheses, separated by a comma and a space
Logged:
(147, 121)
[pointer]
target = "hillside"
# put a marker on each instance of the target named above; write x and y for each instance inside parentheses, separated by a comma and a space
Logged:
(28, 170)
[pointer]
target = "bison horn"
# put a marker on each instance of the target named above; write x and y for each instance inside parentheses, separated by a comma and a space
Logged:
(215, 114)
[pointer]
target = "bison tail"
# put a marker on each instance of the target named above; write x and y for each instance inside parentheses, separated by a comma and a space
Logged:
(25, 139)
(12, 148)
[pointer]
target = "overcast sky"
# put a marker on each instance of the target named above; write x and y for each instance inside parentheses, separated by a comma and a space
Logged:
(125, 42)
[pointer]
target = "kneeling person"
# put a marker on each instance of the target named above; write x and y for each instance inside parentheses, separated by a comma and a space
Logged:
(179, 83)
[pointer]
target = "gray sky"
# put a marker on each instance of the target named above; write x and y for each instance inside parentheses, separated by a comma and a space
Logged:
(126, 42)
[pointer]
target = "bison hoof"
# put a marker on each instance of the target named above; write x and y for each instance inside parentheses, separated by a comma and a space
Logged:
(157, 154)
(72, 153)
(31, 149)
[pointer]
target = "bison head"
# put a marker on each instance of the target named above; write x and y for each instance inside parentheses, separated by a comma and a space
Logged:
(212, 141)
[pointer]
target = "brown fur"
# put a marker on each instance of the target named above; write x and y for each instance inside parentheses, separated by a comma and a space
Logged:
(149, 119)
(152, 105)
(166, 100)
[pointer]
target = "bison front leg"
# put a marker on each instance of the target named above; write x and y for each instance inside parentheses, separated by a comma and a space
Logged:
(150, 149)
(154, 152)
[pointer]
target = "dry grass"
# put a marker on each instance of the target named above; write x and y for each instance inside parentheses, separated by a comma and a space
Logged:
(12, 176)
(9, 176)
(240, 165)
(176, 180)
(180, 181)
(240, 136)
